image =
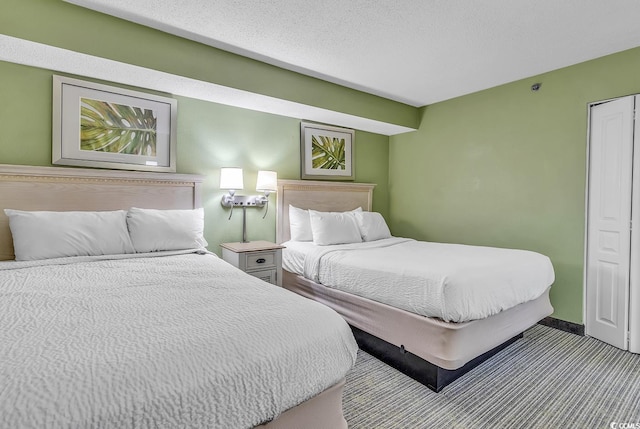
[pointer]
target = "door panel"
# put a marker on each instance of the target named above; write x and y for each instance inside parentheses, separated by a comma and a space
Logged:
(609, 220)
(606, 295)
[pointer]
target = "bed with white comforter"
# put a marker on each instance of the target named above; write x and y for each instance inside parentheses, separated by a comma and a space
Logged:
(162, 340)
(453, 282)
(431, 310)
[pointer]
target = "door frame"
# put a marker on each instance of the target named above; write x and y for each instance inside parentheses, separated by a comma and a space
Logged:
(633, 335)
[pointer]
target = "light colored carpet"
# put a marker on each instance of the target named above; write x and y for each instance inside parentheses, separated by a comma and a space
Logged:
(548, 379)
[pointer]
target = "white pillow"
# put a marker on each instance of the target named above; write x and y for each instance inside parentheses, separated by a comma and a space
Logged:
(372, 226)
(334, 228)
(45, 234)
(154, 230)
(299, 224)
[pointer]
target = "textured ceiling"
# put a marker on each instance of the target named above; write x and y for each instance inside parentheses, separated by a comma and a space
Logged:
(413, 51)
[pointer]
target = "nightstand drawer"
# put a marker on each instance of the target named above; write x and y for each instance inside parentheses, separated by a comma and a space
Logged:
(260, 260)
(268, 276)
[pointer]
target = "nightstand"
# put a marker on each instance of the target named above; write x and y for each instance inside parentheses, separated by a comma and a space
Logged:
(261, 259)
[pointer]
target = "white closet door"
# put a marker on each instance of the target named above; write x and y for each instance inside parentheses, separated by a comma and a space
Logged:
(634, 290)
(609, 221)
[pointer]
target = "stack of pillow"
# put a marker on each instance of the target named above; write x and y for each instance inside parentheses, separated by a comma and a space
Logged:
(45, 234)
(326, 228)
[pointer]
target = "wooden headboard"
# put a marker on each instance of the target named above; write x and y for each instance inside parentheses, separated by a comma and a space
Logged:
(66, 189)
(321, 196)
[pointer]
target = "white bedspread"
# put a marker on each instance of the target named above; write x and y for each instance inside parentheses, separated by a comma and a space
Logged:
(159, 342)
(454, 282)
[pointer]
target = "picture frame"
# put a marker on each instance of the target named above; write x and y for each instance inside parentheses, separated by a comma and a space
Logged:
(326, 152)
(96, 125)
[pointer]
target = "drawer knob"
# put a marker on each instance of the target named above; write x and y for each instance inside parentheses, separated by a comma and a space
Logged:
(260, 260)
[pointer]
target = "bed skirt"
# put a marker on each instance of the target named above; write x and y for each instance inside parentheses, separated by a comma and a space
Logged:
(445, 344)
(322, 411)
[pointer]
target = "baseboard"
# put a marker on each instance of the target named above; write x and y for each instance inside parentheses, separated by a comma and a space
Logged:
(563, 325)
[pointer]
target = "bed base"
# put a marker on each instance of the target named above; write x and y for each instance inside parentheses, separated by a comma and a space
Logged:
(320, 412)
(440, 352)
(432, 376)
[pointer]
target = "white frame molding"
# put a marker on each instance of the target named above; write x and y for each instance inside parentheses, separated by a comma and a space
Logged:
(307, 131)
(66, 127)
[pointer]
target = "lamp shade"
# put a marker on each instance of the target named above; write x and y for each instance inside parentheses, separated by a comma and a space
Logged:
(267, 181)
(231, 178)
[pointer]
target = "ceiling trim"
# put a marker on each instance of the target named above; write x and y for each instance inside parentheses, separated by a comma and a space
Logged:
(25, 52)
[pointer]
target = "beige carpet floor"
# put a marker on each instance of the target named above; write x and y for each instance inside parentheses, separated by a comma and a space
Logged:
(548, 379)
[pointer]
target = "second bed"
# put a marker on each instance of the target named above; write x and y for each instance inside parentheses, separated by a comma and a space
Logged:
(432, 310)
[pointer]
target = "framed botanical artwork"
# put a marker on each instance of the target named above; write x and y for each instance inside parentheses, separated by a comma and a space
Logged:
(326, 152)
(96, 125)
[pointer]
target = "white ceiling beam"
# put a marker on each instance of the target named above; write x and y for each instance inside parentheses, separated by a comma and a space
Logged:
(43, 56)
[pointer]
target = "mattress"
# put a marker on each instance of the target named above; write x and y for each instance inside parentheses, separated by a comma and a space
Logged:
(165, 341)
(453, 282)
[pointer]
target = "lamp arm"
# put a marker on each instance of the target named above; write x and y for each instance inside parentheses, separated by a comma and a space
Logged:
(265, 200)
(229, 200)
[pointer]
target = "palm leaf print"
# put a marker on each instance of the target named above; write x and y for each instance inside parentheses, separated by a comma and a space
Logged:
(328, 153)
(116, 128)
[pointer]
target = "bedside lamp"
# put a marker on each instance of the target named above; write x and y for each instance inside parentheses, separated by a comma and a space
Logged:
(231, 179)
(267, 182)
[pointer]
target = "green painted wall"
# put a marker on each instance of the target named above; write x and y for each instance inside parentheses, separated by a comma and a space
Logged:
(507, 167)
(214, 136)
(210, 136)
(57, 23)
